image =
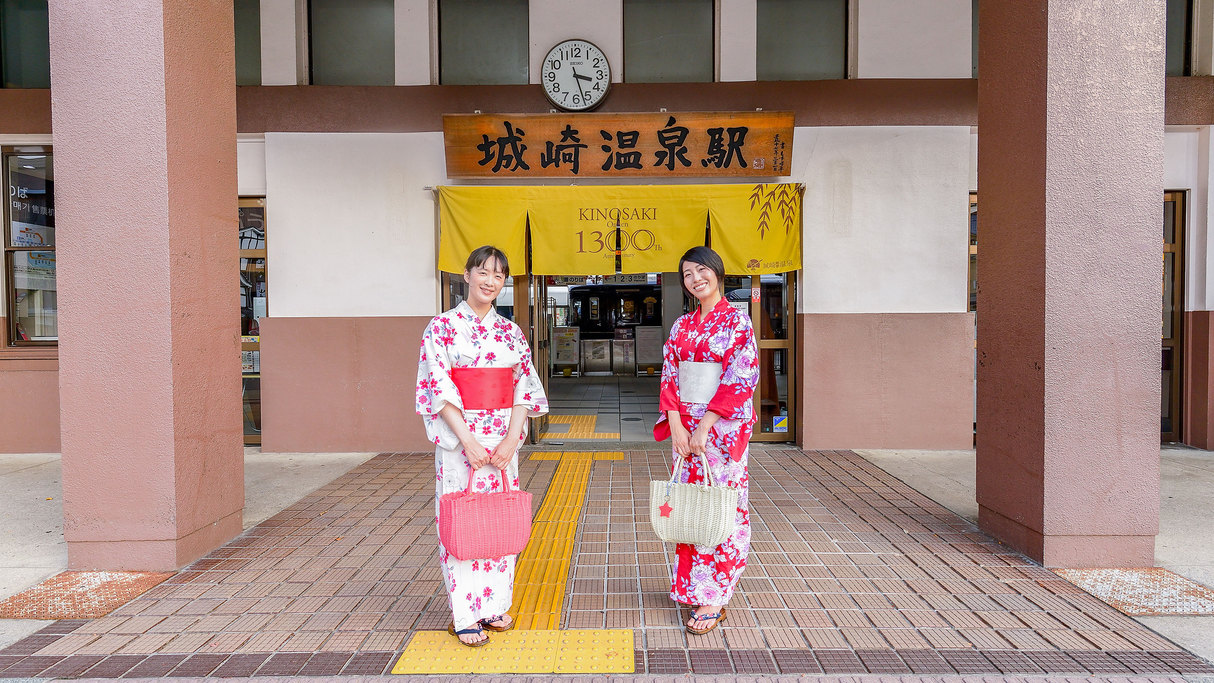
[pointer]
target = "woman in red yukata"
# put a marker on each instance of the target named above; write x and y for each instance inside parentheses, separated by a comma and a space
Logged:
(476, 387)
(709, 371)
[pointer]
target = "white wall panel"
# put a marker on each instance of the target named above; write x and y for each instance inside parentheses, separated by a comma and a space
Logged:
(251, 166)
(886, 218)
(1186, 159)
(278, 43)
(973, 159)
(913, 39)
(412, 42)
(353, 229)
(737, 31)
(599, 21)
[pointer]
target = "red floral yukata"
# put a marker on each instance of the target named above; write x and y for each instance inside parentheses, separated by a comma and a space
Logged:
(704, 575)
(478, 589)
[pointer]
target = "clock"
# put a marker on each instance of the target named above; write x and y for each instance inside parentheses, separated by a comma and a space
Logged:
(575, 75)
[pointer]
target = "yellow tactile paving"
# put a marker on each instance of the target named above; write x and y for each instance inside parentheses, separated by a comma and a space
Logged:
(522, 652)
(536, 646)
(542, 571)
(580, 427)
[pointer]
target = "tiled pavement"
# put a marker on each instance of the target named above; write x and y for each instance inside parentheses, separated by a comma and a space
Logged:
(851, 572)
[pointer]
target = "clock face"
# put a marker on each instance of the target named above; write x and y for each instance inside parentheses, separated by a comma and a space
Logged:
(575, 75)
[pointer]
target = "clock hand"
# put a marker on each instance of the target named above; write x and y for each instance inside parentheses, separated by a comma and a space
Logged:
(577, 75)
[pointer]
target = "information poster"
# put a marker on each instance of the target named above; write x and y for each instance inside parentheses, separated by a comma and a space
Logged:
(565, 346)
(250, 362)
(649, 346)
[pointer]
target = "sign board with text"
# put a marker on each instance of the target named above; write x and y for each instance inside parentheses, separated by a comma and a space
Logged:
(637, 145)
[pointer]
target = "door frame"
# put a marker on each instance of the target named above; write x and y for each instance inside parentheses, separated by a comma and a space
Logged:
(253, 202)
(531, 315)
(1176, 342)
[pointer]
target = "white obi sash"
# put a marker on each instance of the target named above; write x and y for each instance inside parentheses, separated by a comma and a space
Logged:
(698, 381)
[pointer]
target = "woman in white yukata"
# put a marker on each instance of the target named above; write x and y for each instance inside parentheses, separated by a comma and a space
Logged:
(476, 387)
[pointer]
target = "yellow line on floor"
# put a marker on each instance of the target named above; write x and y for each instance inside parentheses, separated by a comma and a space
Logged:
(542, 571)
(580, 427)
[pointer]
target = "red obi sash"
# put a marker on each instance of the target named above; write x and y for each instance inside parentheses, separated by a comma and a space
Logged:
(484, 388)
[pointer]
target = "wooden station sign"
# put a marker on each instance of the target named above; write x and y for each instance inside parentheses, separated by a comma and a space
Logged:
(646, 145)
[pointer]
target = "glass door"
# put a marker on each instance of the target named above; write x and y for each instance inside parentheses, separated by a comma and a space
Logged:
(770, 300)
(1173, 316)
(773, 310)
(252, 230)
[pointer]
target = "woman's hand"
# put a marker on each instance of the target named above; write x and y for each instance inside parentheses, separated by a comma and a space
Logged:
(681, 438)
(505, 451)
(477, 456)
(698, 441)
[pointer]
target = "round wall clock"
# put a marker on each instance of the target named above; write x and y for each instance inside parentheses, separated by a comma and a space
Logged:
(575, 75)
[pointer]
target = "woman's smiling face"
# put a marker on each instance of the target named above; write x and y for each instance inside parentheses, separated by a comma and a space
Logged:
(699, 280)
(485, 282)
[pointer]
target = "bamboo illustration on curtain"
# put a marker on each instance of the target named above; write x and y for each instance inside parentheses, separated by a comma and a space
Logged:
(578, 230)
(757, 228)
(785, 197)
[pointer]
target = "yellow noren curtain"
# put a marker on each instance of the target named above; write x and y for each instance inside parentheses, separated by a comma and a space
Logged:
(471, 217)
(755, 228)
(573, 229)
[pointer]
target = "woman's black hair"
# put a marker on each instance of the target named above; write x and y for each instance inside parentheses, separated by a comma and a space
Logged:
(705, 257)
(480, 255)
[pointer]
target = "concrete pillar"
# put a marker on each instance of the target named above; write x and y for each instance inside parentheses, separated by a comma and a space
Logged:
(144, 117)
(1070, 178)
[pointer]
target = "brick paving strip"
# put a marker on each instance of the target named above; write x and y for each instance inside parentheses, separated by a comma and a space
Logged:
(851, 572)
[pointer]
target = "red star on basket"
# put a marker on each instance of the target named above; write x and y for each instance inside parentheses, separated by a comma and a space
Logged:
(665, 509)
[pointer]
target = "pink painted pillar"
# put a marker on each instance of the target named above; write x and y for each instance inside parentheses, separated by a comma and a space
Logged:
(144, 116)
(1070, 173)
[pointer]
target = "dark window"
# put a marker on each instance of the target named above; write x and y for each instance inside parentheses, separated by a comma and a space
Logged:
(248, 41)
(668, 41)
(483, 42)
(801, 40)
(973, 38)
(352, 42)
(25, 39)
(1179, 41)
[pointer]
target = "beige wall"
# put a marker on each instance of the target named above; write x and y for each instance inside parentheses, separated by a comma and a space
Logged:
(918, 39)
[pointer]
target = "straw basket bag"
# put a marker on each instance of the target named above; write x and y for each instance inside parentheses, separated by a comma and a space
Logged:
(474, 526)
(702, 514)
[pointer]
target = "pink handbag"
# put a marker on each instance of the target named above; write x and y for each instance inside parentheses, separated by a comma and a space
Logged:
(474, 526)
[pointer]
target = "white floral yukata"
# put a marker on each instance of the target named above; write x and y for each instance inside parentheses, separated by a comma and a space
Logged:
(478, 589)
(707, 575)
